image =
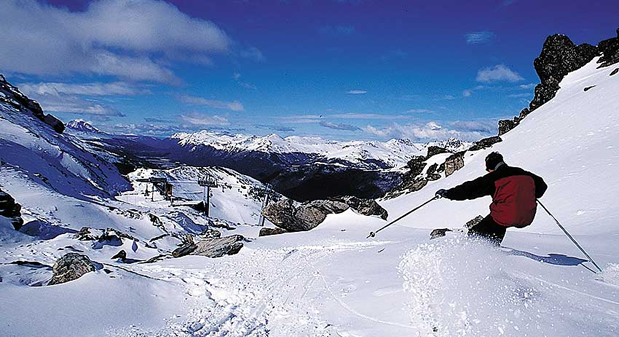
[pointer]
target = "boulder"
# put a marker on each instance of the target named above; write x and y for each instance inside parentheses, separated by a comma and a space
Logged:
(434, 150)
(614, 72)
(10, 209)
(432, 173)
(454, 163)
(271, 231)
(485, 143)
(54, 122)
(505, 125)
(368, 207)
(559, 56)
(218, 247)
(416, 165)
(610, 51)
(304, 217)
(70, 267)
(471, 223)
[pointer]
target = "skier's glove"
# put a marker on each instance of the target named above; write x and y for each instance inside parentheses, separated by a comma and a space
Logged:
(442, 193)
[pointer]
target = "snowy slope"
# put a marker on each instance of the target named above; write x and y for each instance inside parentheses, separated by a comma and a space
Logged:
(332, 281)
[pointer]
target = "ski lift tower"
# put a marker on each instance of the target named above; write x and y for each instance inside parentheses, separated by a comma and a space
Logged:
(207, 182)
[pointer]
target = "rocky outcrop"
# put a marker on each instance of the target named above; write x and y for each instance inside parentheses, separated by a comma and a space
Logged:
(271, 231)
(70, 267)
(368, 207)
(14, 97)
(286, 215)
(454, 163)
(10, 209)
(212, 247)
(505, 125)
(416, 165)
(434, 150)
(485, 143)
(218, 247)
(610, 51)
(559, 56)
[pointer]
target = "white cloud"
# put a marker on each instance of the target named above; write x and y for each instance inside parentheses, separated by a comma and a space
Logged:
(122, 38)
(338, 126)
(419, 111)
(81, 108)
(253, 53)
(479, 37)
(430, 131)
(498, 73)
(88, 89)
(467, 93)
(367, 116)
(527, 86)
(237, 78)
(234, 106)
(198, 119)
(357, 92)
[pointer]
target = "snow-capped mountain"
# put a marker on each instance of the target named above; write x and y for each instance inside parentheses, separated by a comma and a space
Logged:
(393, 153)
(82, 126)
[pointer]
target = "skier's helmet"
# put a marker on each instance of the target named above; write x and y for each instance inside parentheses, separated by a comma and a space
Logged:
(492, 160)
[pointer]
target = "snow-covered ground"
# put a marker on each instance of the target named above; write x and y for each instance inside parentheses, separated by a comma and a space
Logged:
(332, 281)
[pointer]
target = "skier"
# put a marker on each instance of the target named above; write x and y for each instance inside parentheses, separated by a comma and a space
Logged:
(514, 192)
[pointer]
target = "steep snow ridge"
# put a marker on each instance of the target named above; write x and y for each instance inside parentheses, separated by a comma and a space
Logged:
(54, 160)
(570, 141)
(395, 152)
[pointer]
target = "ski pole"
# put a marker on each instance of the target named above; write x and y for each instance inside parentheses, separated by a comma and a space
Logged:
(569, 236)
(373, 234)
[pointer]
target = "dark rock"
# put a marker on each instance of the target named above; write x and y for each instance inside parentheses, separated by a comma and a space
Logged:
(433, 177)
(589, 87)
(559, 56)
(432, 174)
(614, 72)
(454, 163)
(506, 125)
(432, 169)
(434, 150)
(54, 122)
(218, 247)
(306, 216)
(485, 143)
(185, 249)
(523, 113)
(122, 255)
(85, 235)
(368, 207)
(439, 232)
(416, 165)
(10, 209)
(271, 231)
(610, 51)
(471, 223)
(71, 267)
(210, 234)
(25, 104)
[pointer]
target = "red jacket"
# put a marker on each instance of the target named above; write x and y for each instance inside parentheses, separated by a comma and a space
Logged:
(513, 190)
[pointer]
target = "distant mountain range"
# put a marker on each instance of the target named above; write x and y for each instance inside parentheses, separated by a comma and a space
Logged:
(302, 168)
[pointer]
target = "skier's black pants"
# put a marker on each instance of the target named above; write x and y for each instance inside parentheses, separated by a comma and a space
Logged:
(488, 229)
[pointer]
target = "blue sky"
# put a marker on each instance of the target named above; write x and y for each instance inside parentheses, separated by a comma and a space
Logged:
(345, 70)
